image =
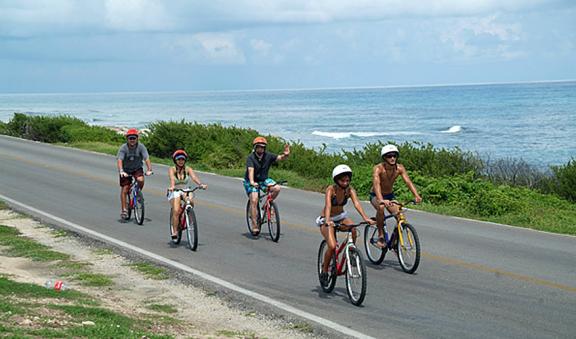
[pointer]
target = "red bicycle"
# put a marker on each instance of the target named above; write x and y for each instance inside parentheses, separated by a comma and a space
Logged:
(347, 260)
(267, 213)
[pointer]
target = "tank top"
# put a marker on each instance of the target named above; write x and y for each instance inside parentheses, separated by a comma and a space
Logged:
(181, 183)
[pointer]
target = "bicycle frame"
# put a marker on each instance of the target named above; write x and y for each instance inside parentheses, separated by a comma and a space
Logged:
(400, 220)
(134, 189)
(341, 263)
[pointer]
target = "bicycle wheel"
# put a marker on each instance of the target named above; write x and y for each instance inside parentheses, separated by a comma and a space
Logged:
(139, 208)
(191, 229)
(374, 253)
(408, 250)
(274, 222)
(179, 238)
(329, 284)
(249, 216)
(355, 276)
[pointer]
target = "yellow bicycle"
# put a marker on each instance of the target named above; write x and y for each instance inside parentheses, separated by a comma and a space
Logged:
(404, 241)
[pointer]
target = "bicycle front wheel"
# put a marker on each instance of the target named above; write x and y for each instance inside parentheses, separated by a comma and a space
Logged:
(139, 208)
(328, 284)
(374, 253)
(408, 248)
(249, 215)
(128, 203)
(274, 222)
(179, 233)
(355, 276)
(191, 229)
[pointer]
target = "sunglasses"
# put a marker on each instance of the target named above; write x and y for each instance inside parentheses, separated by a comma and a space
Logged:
(391, 155)
(181, 158)
(132, 138)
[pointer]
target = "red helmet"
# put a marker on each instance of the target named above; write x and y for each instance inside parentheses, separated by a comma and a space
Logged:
(131, 131)
(179, 154)
(261, 141)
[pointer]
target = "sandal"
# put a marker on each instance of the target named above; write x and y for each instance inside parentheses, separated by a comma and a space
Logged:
(124, 214)
(255, 233)
(381, 243)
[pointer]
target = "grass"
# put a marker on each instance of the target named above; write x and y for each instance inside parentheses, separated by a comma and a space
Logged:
(16, 245)
(103, 251)
(92, 279)
(236, 334)
(150, 271)
(3, 205)
(303, 327)
(59, 233)
(162, 308)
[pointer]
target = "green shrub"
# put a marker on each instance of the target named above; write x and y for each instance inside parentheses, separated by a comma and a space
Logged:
(565, 180)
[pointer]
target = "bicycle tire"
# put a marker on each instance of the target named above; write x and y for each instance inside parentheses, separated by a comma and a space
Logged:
(191, 229)
(329, 286)
(139, 208)
(355, 276)
(179, 233)
(374, 253)
(410, 249)
(249, 214)
(274, 222)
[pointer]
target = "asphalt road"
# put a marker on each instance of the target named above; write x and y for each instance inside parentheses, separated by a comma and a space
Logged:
(475, 280)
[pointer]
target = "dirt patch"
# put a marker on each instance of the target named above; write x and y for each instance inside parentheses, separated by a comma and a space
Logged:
(132, 294)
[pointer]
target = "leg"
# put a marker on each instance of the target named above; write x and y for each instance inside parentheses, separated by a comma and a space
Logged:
(348, 221)
(379, 220)
(140, 180)
(123, 201)
(254, 207)
(328, 233)
(175, 215)
(274, 190)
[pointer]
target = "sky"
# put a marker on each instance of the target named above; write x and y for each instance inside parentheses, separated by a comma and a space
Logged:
(176, 45)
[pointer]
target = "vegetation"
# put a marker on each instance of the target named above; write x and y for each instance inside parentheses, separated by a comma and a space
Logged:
(451, 181)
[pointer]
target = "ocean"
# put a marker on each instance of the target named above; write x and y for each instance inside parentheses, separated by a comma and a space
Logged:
(535, 122)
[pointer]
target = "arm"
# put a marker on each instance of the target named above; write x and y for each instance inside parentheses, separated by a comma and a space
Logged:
(328, 205)
(251, 177)
(194, 177)
(146, 158)
(358, 206)
(120, 162)
(285, 154)
(172, 178)
(376, 185)
(409, 183)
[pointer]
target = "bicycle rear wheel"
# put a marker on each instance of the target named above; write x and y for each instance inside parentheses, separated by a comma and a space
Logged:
(179, 233)
(355, 276)
(408, 249)
(328, 285)
(191, 229)
(139, 208)
(274, 222)
(249, 216)
(374, 253)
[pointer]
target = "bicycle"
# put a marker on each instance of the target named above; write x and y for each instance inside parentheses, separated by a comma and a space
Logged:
(270, 210)
(187, 219)
(135, 199)
(404, 241)
(348, 260)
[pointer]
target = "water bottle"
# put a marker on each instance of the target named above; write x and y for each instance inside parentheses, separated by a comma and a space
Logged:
(56, 285)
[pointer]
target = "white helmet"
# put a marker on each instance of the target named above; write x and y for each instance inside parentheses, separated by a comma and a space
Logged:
(341, 169)
(389, 149)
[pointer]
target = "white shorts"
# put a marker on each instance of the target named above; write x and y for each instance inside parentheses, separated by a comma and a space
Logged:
(320, 220)
(174, 194)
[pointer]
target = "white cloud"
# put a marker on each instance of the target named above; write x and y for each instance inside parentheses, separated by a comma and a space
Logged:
(260, 46)
(137, 15)
(217, 48)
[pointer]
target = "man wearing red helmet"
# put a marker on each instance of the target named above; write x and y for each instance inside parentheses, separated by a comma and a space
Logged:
(130, 157)
(257, 165)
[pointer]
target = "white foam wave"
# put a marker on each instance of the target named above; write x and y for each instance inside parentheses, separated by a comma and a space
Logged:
(344, 135)
(453, 129)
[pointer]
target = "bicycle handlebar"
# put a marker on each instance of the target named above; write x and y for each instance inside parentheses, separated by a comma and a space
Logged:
(186, 190)
(337, 225)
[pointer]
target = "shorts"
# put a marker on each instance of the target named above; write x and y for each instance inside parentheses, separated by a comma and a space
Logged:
(263, 185)
(127, 181)
(389, 196)
(174, 194)
(337, 218)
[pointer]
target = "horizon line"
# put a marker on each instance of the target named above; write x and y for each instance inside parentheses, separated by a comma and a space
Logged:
(301, 89)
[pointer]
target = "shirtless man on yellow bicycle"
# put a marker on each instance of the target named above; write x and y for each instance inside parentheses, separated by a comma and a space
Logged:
(383, 177)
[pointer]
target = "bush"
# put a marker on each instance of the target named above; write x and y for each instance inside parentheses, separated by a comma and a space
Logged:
(565, 180)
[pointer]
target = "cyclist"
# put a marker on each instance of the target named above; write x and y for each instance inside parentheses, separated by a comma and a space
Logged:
(130, 157)
(384, 175)
(180, 177)
(336, 197)
(256, 177)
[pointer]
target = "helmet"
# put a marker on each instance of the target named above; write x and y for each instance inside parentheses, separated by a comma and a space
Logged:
(389, 149)
(260, 141)
(179, 154)
(341, 170)
(131, 131)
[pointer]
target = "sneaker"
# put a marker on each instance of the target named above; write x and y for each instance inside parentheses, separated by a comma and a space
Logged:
(324, 276)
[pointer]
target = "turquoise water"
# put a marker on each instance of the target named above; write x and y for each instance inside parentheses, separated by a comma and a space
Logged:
(532, 121)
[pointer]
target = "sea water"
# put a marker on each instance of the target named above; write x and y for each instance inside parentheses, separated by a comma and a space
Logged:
(535, 122)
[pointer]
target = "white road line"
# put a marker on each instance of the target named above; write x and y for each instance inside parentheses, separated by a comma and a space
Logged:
(285, 307)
